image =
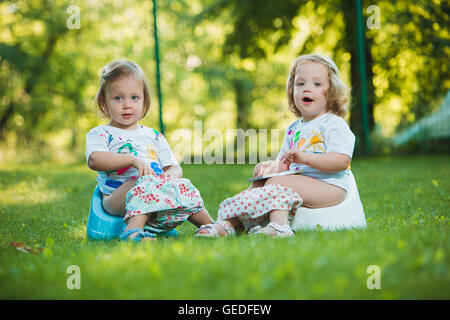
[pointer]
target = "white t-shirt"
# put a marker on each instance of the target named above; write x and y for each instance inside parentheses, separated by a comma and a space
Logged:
(145, 143)
(326, 133)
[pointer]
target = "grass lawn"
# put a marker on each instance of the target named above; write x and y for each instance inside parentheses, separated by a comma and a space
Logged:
(406, 201)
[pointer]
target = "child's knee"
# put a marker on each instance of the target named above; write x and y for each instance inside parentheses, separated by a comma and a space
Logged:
(273, 180)
(112, 207)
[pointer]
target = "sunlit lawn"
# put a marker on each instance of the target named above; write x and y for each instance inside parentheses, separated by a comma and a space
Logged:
(406, 201)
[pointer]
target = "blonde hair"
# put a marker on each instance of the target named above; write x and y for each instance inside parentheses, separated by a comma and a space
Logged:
(337, 95)
(113, 71)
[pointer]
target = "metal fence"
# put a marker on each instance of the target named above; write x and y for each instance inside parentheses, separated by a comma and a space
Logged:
(434, 126)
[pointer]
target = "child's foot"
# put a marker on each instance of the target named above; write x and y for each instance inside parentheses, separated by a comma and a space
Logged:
(213, 230)
(273, 229)
(138, 235)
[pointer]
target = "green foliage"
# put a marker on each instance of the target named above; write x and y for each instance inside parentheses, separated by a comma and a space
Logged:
(223, 62)
(254, 22)
(405, 201)
(407, 56)
(410, 55)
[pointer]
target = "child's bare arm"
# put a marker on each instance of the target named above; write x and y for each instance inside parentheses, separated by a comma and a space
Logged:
(110, 161)
(328, 162)
(331, 162)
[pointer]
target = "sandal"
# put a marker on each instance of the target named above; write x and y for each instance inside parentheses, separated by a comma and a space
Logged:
(212, 232)
(281, 231)
(141, 235)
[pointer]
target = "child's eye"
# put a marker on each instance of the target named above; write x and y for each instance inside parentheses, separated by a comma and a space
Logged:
(317, 84)
(118, 98)
(135, 98)
(300, 83)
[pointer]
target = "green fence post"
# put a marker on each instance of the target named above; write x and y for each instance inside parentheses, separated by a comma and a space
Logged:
(363, 77)
(158, 74)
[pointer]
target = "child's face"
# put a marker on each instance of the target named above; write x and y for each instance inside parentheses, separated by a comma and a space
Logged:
(310, 88)
(124, 99)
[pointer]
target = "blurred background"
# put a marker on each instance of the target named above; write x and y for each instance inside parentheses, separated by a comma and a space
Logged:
(224, 63)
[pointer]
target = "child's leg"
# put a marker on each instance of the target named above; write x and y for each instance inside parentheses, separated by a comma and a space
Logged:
(315, 193)
(279, 216)
(200, 218)
(114, 203)
(137, 222)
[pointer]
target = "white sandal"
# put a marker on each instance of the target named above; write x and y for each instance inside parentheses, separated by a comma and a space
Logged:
(212, 232)
(282, 231)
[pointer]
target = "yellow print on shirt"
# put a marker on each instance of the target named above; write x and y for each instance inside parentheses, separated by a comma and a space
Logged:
(315, 142)
(151, 153)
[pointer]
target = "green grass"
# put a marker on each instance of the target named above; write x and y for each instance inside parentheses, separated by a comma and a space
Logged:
(405, 199)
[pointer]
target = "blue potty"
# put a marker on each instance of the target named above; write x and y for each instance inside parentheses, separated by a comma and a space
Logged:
(103, 226)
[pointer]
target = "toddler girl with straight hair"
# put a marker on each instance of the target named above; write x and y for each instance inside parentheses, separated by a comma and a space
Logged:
(138, 174)
(319, 145)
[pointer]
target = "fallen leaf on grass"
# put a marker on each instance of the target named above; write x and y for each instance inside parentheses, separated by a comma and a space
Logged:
(21, 247)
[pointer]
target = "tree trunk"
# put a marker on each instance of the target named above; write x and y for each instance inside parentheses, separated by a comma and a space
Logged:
(4, 119)
(242, 111)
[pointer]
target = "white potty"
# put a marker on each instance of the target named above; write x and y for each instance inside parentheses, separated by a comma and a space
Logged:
(345, 215)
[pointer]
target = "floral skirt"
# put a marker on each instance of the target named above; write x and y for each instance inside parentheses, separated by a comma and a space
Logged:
(252, 207)
(169, 201)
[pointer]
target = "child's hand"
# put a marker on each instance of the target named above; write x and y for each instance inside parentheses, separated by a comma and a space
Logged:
(263, 168)
(283, 166)
(293, 156)
(173, 171)
(166, 175)
(143, 167)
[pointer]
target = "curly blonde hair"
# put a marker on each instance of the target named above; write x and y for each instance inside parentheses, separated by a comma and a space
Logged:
(113, 71)
(337, 95)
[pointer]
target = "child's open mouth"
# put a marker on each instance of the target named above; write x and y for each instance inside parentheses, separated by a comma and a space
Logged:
(306, 99)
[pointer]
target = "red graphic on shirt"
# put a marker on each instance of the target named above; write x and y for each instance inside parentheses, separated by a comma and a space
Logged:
(122, 170)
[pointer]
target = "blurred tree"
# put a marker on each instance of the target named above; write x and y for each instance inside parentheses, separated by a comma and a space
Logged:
(28, 56)
(255, 21)
(409, 33)
(217, 79)
(229, 71)
(49, 68)
(41, 74)
(251, 22)
(410, 53)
